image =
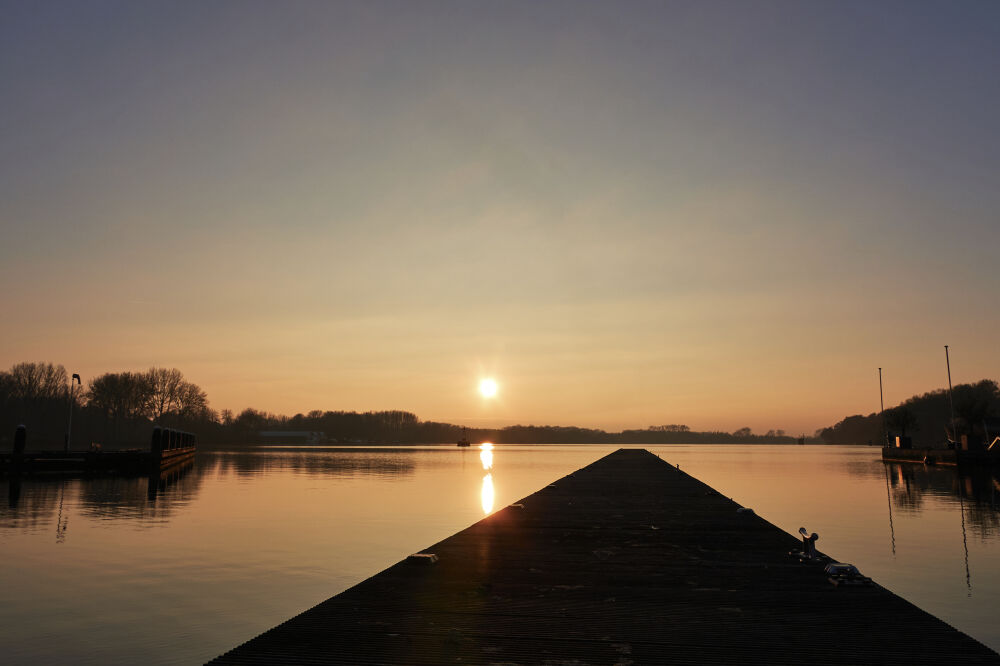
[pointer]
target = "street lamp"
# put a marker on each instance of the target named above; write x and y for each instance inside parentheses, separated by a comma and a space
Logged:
(951, 403)
(69, 422)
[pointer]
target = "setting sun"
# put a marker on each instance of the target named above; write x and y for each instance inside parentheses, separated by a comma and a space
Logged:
(488, 388)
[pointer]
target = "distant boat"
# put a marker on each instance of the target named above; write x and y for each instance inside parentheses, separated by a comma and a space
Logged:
(464, 441)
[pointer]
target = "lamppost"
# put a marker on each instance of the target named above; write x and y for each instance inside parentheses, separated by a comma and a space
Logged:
(69, 421)
(951, 403)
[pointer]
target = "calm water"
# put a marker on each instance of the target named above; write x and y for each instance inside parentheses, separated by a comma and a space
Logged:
(106, 571)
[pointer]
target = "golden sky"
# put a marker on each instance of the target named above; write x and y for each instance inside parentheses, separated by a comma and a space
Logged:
(716, 214)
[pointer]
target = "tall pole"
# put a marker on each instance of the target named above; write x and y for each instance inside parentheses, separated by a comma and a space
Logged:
(951, 403)
(881, 404)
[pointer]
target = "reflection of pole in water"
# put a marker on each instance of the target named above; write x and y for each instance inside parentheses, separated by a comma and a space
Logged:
(965, 541)
(888, 497)
(61, 524)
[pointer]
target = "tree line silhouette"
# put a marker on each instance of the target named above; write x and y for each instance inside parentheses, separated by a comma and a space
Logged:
(119, 409)
(389, 427)
(924, 418)
(116, 408)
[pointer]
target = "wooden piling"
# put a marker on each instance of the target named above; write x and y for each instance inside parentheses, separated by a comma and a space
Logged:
(156, 447)
(20, 442)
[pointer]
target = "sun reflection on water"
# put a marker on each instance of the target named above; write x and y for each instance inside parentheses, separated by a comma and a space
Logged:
(486, 455)
(488, 494)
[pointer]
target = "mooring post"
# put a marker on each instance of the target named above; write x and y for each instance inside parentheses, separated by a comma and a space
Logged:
(20, 440)
(156, 447)
(17, 455)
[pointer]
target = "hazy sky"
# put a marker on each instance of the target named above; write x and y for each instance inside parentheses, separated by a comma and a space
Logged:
(630, 213)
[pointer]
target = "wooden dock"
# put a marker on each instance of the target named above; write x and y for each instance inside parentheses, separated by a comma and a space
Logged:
(952, 457)
(626, 561)
(922, 456)
(168, 449)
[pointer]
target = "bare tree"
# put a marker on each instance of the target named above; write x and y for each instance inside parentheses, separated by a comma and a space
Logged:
(120, 396)
(37, 381)
(192, 402)
(34, 394)
(165, 391)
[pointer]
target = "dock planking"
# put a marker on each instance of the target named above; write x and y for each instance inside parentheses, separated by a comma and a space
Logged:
(626, 561)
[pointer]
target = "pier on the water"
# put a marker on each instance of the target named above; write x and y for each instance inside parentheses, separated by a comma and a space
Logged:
(169, 448)
(626, 561)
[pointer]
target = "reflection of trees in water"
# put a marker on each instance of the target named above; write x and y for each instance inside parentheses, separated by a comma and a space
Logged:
(976, 491)
(348, 463)
(130, 497)
(907, 490)
(982, 487)
(867, 469)
(35, 502)
(985, 520)
(29, 505)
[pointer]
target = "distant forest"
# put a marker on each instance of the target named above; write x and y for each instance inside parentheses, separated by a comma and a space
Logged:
(119, 409)
(924, 418)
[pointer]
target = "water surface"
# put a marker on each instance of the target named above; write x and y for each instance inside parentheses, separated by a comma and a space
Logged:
(114, 570)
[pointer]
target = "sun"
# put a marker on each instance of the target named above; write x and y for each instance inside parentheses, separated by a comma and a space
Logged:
(488, 388)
